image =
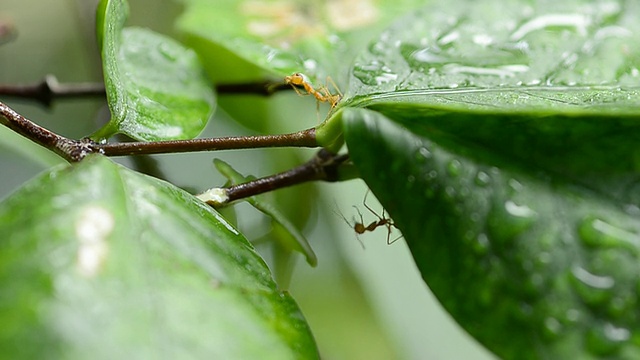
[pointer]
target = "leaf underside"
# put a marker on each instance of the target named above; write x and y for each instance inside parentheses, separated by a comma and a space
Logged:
(501, 137)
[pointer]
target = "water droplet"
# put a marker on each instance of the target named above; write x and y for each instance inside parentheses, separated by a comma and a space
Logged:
(522, 211)
(453, 167)
(427, 55)
(599, 233)
(503, 71)
(449, 38)
(572, 315)
(482, 178)
(606, 339)
(515, 185)
(423, 154)
(593, 289)
(483, 40)
(450, 192)
(507, 221)
(579, 22)
(552, 327)
(591, 280)
(543, 258)
(374, 73)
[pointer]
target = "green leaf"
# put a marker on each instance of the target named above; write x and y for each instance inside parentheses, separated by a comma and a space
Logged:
(318, 38)
(505, 59)
(99, 261)
(285, 231)
(156, 87)
(529, 263)
(503, 143)
(536, 50)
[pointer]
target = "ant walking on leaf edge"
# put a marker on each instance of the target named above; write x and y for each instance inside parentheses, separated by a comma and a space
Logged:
(322, 94)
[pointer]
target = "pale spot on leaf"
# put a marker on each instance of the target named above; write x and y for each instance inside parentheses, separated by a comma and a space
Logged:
(93, 226)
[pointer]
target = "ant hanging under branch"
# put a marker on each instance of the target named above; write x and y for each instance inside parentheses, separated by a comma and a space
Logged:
(322, 94)
(360, 227)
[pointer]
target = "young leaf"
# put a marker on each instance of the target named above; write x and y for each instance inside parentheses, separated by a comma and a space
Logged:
(529, 263)
(283, 37)
(99, 261)
(287, 233)
(156, 87)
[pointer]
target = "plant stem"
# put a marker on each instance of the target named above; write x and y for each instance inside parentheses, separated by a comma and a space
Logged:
(71, 150)
(76, 150)
(322, 167)
(304, 138)
(49, 89)
(264, 88)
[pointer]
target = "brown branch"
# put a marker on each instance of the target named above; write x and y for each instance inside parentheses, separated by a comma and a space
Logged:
(76, 150)
(49, 89)
(324, 166)
(263, 88)
(304, 138)
(71, 150)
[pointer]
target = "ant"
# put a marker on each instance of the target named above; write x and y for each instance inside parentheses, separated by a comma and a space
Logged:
(322, 94)
(360, 228)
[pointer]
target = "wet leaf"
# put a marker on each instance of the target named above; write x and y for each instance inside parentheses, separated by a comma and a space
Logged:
(510, 62)
(281, 37)
(99, 261)
(507, 249)
(501, 138)
(156, 87)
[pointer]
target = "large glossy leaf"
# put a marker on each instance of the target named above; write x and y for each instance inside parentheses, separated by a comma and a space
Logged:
(156, 87)
(279, 37)
(531, 264)
(503, 144)
(97, 261)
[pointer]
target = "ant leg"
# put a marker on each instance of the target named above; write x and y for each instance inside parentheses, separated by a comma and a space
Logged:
(352, 227)
(295, 88)
(394, 240)
(330, 81)
(359, 214)
(364, 202)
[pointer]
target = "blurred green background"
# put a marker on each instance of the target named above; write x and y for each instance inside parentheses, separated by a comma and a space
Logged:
(361, 303)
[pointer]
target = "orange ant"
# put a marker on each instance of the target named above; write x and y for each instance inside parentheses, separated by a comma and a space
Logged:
(360, 228)
(322, 95)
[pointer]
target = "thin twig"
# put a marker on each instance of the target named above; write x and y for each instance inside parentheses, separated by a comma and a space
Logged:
(71, 150)
(76, 150)
(263, 88)
(324, 166)
(49, 89)
(304, 138)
